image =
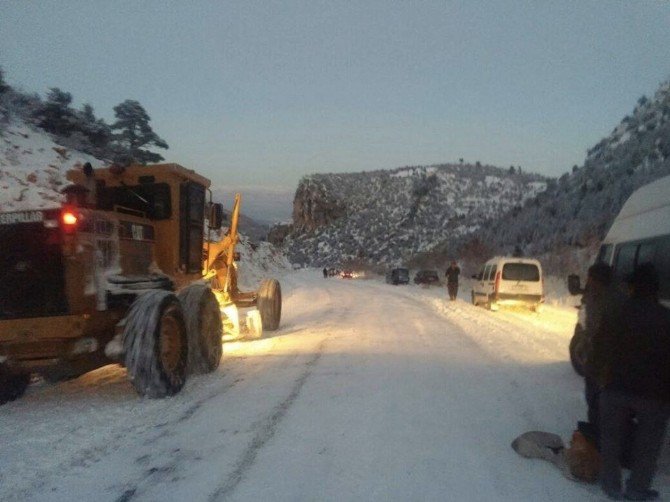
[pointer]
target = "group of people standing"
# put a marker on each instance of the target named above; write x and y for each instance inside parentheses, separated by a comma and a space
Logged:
(627, 377)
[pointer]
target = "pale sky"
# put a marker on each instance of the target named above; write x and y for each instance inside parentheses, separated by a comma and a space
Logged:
(259, 93)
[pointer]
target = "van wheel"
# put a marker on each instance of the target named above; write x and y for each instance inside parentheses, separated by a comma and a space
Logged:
(156, 344)
(12, 386)
(269, 304)
(578, 350)
(204, 328)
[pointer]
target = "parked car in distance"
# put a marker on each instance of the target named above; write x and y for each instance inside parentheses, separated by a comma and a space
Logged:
(347, 274)
(639, 234)
(397, 276)
(507, 280)
(428, 277)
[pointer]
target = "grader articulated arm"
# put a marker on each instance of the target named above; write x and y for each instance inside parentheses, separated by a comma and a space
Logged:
(220, 257)
(263, 306)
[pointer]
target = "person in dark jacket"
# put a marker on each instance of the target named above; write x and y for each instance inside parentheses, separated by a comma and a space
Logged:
(599, 300)
(631, 357)
(452, 280)
(325, 273)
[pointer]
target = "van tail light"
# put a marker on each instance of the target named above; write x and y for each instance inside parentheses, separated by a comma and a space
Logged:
(496, 287)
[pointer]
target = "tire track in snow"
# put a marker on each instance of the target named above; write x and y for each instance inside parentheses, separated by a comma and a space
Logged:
(265, 430)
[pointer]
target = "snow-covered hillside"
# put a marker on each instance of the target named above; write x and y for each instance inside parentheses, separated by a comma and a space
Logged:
(385, 217)
(575, 212)
(33, 167)
(259, 261)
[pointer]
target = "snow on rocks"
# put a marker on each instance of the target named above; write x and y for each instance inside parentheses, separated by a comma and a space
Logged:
(33, 168)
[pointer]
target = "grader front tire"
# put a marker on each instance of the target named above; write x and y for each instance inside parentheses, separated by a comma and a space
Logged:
(269, 304)
(204, 328)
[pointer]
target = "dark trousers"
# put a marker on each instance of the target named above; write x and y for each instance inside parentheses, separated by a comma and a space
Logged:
(591, 393)
(616, 411)
(452, 288)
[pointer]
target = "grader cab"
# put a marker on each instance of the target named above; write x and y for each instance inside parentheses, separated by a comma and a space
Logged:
(126, 271)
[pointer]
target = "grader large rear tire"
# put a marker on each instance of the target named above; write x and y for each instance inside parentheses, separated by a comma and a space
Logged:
(204, 328)
(269, 304)
(12, 386)
(156, 345)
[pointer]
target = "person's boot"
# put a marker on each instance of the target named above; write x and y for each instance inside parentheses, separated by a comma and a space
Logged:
(647, 494)
(612, 491)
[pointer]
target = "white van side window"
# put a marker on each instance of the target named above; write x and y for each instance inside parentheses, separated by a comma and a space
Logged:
(487, 269)
(492, 272)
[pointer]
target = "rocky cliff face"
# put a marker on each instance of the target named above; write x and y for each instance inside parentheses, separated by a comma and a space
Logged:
(314, 207)
(385, 217)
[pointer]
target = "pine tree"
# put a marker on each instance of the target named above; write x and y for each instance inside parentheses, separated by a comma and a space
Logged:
(55, 115)
(95, 130)
(135, 133)
(3, 85)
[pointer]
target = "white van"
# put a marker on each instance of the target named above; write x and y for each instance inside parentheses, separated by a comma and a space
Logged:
(640, 233)
(505, 280)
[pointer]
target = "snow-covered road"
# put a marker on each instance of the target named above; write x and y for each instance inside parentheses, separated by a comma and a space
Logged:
(367, 392)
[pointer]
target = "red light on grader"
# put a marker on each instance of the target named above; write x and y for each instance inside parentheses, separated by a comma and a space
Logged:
(69, 218)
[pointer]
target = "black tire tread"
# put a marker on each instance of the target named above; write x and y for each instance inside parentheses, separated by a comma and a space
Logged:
(204, 349)
(576, 346)
(140, 342)
(269, 304)
(12, 386)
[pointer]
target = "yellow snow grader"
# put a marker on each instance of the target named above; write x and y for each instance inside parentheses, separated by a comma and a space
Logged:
(125, 271)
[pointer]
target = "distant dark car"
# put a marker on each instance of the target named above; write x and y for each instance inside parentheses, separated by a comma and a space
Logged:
(347, 274)
(428, 277)
(397, 276)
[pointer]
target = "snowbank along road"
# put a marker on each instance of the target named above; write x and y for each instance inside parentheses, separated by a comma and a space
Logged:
(367, 392)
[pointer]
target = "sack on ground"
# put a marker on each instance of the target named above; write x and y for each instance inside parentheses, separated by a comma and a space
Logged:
(583, 458)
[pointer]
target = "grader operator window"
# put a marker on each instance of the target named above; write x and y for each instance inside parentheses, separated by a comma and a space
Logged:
(151, 200)
(191, 226)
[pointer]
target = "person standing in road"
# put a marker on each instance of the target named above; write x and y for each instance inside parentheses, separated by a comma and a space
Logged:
(631, 354)
(600, 299)
(325, 273)
(452, 280)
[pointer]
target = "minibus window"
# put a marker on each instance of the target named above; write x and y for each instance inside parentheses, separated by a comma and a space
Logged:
(646, 253)
(662, 264)
(625, 261)
(605, 254)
